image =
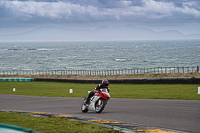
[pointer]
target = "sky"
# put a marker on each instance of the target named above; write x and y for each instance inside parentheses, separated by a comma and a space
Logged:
(18, 16)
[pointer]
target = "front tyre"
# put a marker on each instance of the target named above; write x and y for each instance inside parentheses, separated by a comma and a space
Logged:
(100, 106)
(84, 108)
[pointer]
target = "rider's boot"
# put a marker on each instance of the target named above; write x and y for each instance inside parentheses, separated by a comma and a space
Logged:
(87, 102)
(88, 98)
(87, 105)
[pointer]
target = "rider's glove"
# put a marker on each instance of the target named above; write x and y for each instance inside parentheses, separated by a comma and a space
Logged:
(95, 91)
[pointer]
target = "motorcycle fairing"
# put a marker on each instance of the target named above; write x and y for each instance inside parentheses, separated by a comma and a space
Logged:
(93, 100)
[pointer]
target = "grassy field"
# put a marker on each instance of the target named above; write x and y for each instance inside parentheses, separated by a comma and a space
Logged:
(145, 91)
(51, 125)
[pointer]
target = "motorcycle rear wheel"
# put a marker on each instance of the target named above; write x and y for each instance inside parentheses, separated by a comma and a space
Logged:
(99, 107)
(84, 108)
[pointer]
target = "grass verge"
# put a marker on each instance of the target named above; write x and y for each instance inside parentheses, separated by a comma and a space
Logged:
(51, 125)
(145, 91)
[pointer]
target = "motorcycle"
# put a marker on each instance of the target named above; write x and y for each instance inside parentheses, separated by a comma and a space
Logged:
(97, 102)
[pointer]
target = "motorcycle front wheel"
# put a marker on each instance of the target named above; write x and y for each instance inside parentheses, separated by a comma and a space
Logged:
(84, 108)
(100, 106)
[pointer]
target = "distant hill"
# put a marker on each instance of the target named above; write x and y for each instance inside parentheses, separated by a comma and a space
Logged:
(128, 32)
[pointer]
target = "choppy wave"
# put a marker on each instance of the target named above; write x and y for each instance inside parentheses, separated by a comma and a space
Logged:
(22, 49)
(120, 59)
(45, 49)
(109, 55)
(42, 49)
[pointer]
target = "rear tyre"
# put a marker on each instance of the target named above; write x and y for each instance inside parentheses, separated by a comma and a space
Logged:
(100, 106)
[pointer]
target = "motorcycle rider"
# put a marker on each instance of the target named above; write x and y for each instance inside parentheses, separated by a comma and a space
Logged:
(104, 84)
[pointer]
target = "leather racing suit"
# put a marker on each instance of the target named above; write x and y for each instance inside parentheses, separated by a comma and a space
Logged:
(96, 90)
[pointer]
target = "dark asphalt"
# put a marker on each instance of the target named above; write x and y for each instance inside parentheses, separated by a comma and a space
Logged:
(181, 115)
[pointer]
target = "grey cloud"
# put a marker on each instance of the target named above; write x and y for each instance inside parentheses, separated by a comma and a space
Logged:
(101, 10)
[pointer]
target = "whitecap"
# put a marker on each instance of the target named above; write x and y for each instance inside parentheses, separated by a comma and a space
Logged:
(62, 57)
(3, 49)
(44, 49)
(120, 59)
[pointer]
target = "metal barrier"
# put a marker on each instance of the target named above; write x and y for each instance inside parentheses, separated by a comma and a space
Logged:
(128, 81)
(17, 79)
(15, 129)
(156, 70)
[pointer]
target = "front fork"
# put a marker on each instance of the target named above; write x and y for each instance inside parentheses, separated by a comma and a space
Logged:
(99, 102)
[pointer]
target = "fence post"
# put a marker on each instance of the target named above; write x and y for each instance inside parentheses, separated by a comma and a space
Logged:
(104, 72)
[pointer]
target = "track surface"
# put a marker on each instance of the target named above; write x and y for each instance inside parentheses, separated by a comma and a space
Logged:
(181, 115)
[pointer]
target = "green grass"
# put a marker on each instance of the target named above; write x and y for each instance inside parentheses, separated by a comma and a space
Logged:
(50, 125)
(160, 91)
(145, 91)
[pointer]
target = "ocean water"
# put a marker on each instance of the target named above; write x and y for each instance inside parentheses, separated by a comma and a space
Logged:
(98, 55)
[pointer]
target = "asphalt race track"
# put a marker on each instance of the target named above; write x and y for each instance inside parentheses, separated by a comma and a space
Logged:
(181, 115)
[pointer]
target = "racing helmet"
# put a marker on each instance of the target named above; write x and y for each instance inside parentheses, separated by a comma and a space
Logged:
(105, 82)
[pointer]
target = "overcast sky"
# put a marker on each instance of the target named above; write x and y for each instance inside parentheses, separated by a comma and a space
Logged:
(158, 15)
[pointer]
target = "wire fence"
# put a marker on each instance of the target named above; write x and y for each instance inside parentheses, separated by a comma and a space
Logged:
(156, 70)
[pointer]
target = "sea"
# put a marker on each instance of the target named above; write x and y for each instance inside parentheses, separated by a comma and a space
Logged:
(98, 55)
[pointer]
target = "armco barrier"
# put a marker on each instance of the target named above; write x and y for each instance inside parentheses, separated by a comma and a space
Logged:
(69, 80)
(17, 79)
(15, 129)
(130, 81)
